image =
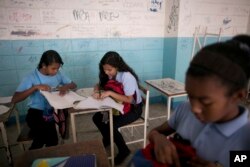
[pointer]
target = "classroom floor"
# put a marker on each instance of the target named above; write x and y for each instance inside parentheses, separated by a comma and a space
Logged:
(86, 130)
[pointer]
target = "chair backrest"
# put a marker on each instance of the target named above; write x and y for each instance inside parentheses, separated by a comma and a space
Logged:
(145, 100)
(6, 111)
(203, 35)
(6, 104)
(5, 100)
(12, 108)
(143, 120)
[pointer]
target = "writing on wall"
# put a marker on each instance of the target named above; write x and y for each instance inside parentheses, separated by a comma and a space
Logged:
(184, 16)
(45, 19)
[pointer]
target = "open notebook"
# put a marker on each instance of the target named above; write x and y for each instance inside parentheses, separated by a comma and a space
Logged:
(69, 100)
(86, 160)
(61, 102)
(92, 103)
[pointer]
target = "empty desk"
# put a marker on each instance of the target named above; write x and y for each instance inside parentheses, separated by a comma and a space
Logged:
(168, 87)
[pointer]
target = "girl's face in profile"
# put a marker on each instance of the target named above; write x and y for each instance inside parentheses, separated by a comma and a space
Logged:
(51, 69)
(109, 70)
(208, 99)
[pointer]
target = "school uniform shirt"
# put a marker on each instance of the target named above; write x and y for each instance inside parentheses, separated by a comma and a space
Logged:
(212, 141)
(36, 99)
(130, 85)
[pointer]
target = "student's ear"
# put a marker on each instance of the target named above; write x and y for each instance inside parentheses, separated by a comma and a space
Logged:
(240, 95)
(43, 65)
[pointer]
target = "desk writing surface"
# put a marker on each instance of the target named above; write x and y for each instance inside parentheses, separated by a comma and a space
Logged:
(167, 86)
(95, 147)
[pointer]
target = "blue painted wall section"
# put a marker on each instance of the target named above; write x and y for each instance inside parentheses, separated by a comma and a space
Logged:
(169, 57)
(151, 58)
(81, 58)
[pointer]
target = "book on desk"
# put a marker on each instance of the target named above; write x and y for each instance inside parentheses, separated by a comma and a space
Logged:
(86, 160)
(92, 103)
(72, 99)
(62, 101)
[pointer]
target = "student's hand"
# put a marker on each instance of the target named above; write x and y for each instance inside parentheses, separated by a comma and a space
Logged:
(63, 90)
(198, 162)
(165, 151)
(104, 94)
(43, 87)
(96, 95)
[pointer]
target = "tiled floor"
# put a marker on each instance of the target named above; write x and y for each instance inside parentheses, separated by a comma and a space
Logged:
(86, 130)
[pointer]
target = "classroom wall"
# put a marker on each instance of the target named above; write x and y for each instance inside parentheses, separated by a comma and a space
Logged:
(183, 17)
(155, 37)
(81, 57)
(248, 27)
(82, 32)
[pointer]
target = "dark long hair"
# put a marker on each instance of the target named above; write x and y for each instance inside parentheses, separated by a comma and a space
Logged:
(229, 61)
(49, 57)
(242, 38)
(115, 60)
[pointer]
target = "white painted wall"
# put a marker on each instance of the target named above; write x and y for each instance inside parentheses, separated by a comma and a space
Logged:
(57, 19)
(248, 28)
(67, 19)
(230, 15)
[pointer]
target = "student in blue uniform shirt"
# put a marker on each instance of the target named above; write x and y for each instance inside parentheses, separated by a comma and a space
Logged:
(118, 81)
(46, 77)
(212, 119)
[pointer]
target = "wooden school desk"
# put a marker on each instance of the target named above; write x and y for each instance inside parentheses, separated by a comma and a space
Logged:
(86, 92)
(170, 88)
(86, 147)
(74, 112)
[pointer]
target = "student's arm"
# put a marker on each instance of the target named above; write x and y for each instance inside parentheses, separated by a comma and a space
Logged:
(117, 96)
(20, 96)
(97, 92)
(163, 129)
(96, 88)
(165, 151)
(159, 132)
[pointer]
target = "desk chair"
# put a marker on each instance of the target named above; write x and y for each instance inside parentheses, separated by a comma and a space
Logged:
(5, 112)
(198, 35)
(7, 102)
(142, 121)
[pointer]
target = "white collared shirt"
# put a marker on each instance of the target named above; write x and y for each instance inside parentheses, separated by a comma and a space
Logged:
(130, 85)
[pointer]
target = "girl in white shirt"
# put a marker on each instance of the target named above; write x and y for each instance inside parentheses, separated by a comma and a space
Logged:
(118, 81)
